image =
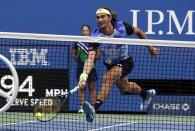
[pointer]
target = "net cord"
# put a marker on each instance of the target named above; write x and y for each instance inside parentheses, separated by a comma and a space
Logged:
(72, 38)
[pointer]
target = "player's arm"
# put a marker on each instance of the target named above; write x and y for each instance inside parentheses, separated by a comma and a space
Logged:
(141, 35)
(134, 30)
(74, 52)
(88, 63)
(92, 52)
(97, 56)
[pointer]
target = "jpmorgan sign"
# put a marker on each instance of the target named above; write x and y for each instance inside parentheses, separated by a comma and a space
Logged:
(172, 105)
(170, 18)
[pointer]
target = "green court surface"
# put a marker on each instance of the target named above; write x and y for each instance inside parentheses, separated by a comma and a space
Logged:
(20, 117)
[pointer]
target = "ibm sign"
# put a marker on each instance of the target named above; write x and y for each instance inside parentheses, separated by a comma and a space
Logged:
(40, 73)
(173, 105)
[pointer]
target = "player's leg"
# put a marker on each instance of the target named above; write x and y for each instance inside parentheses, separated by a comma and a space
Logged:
(87, 107)
(92, 92)
(127, 87)
(81, 98)
(112, 75)
(91, 85)
(107, 80)
(81, 90)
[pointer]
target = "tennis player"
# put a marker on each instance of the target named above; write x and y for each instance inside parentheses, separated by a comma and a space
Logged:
(79, 53)
(117, 61)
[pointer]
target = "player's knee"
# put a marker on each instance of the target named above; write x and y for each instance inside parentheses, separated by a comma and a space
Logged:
(125, 91)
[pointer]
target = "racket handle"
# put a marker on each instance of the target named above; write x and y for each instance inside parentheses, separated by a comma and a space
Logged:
(74, 89)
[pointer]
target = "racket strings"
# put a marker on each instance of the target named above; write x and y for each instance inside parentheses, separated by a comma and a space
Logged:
(47, 108)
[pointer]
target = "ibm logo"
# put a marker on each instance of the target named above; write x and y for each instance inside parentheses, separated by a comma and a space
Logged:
(29, 56)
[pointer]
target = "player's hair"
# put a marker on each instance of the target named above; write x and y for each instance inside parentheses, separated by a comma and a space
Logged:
(85, 25)
(114, 14)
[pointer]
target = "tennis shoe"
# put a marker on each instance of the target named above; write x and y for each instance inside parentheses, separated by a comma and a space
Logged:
(145, 103)
(89, 111)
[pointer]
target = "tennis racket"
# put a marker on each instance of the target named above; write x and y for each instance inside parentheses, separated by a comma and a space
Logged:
(49, 107)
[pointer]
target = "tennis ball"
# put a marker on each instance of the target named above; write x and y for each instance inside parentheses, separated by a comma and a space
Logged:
(38, 115)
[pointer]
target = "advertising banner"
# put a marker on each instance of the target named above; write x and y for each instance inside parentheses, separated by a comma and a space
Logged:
(35, 84)
(42, 70)
(172, 105)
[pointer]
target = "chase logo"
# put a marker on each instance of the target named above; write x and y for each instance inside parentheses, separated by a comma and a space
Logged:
(158, 106)
(172, 105)
(185, 107)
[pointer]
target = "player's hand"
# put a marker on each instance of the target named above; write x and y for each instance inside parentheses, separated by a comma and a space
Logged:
(83, 79)
(153, 51)
(82, 84)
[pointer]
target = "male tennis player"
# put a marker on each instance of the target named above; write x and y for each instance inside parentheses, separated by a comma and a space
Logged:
(117, 61)
(79, 53)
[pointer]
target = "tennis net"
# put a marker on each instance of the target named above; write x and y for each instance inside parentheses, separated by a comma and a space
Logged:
(45, 67)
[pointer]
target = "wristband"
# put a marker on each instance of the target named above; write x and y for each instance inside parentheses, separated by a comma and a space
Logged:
(83, 77)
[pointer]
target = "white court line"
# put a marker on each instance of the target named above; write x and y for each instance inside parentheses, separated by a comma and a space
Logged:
(17, 123)
(35, 121)
(106, 127)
